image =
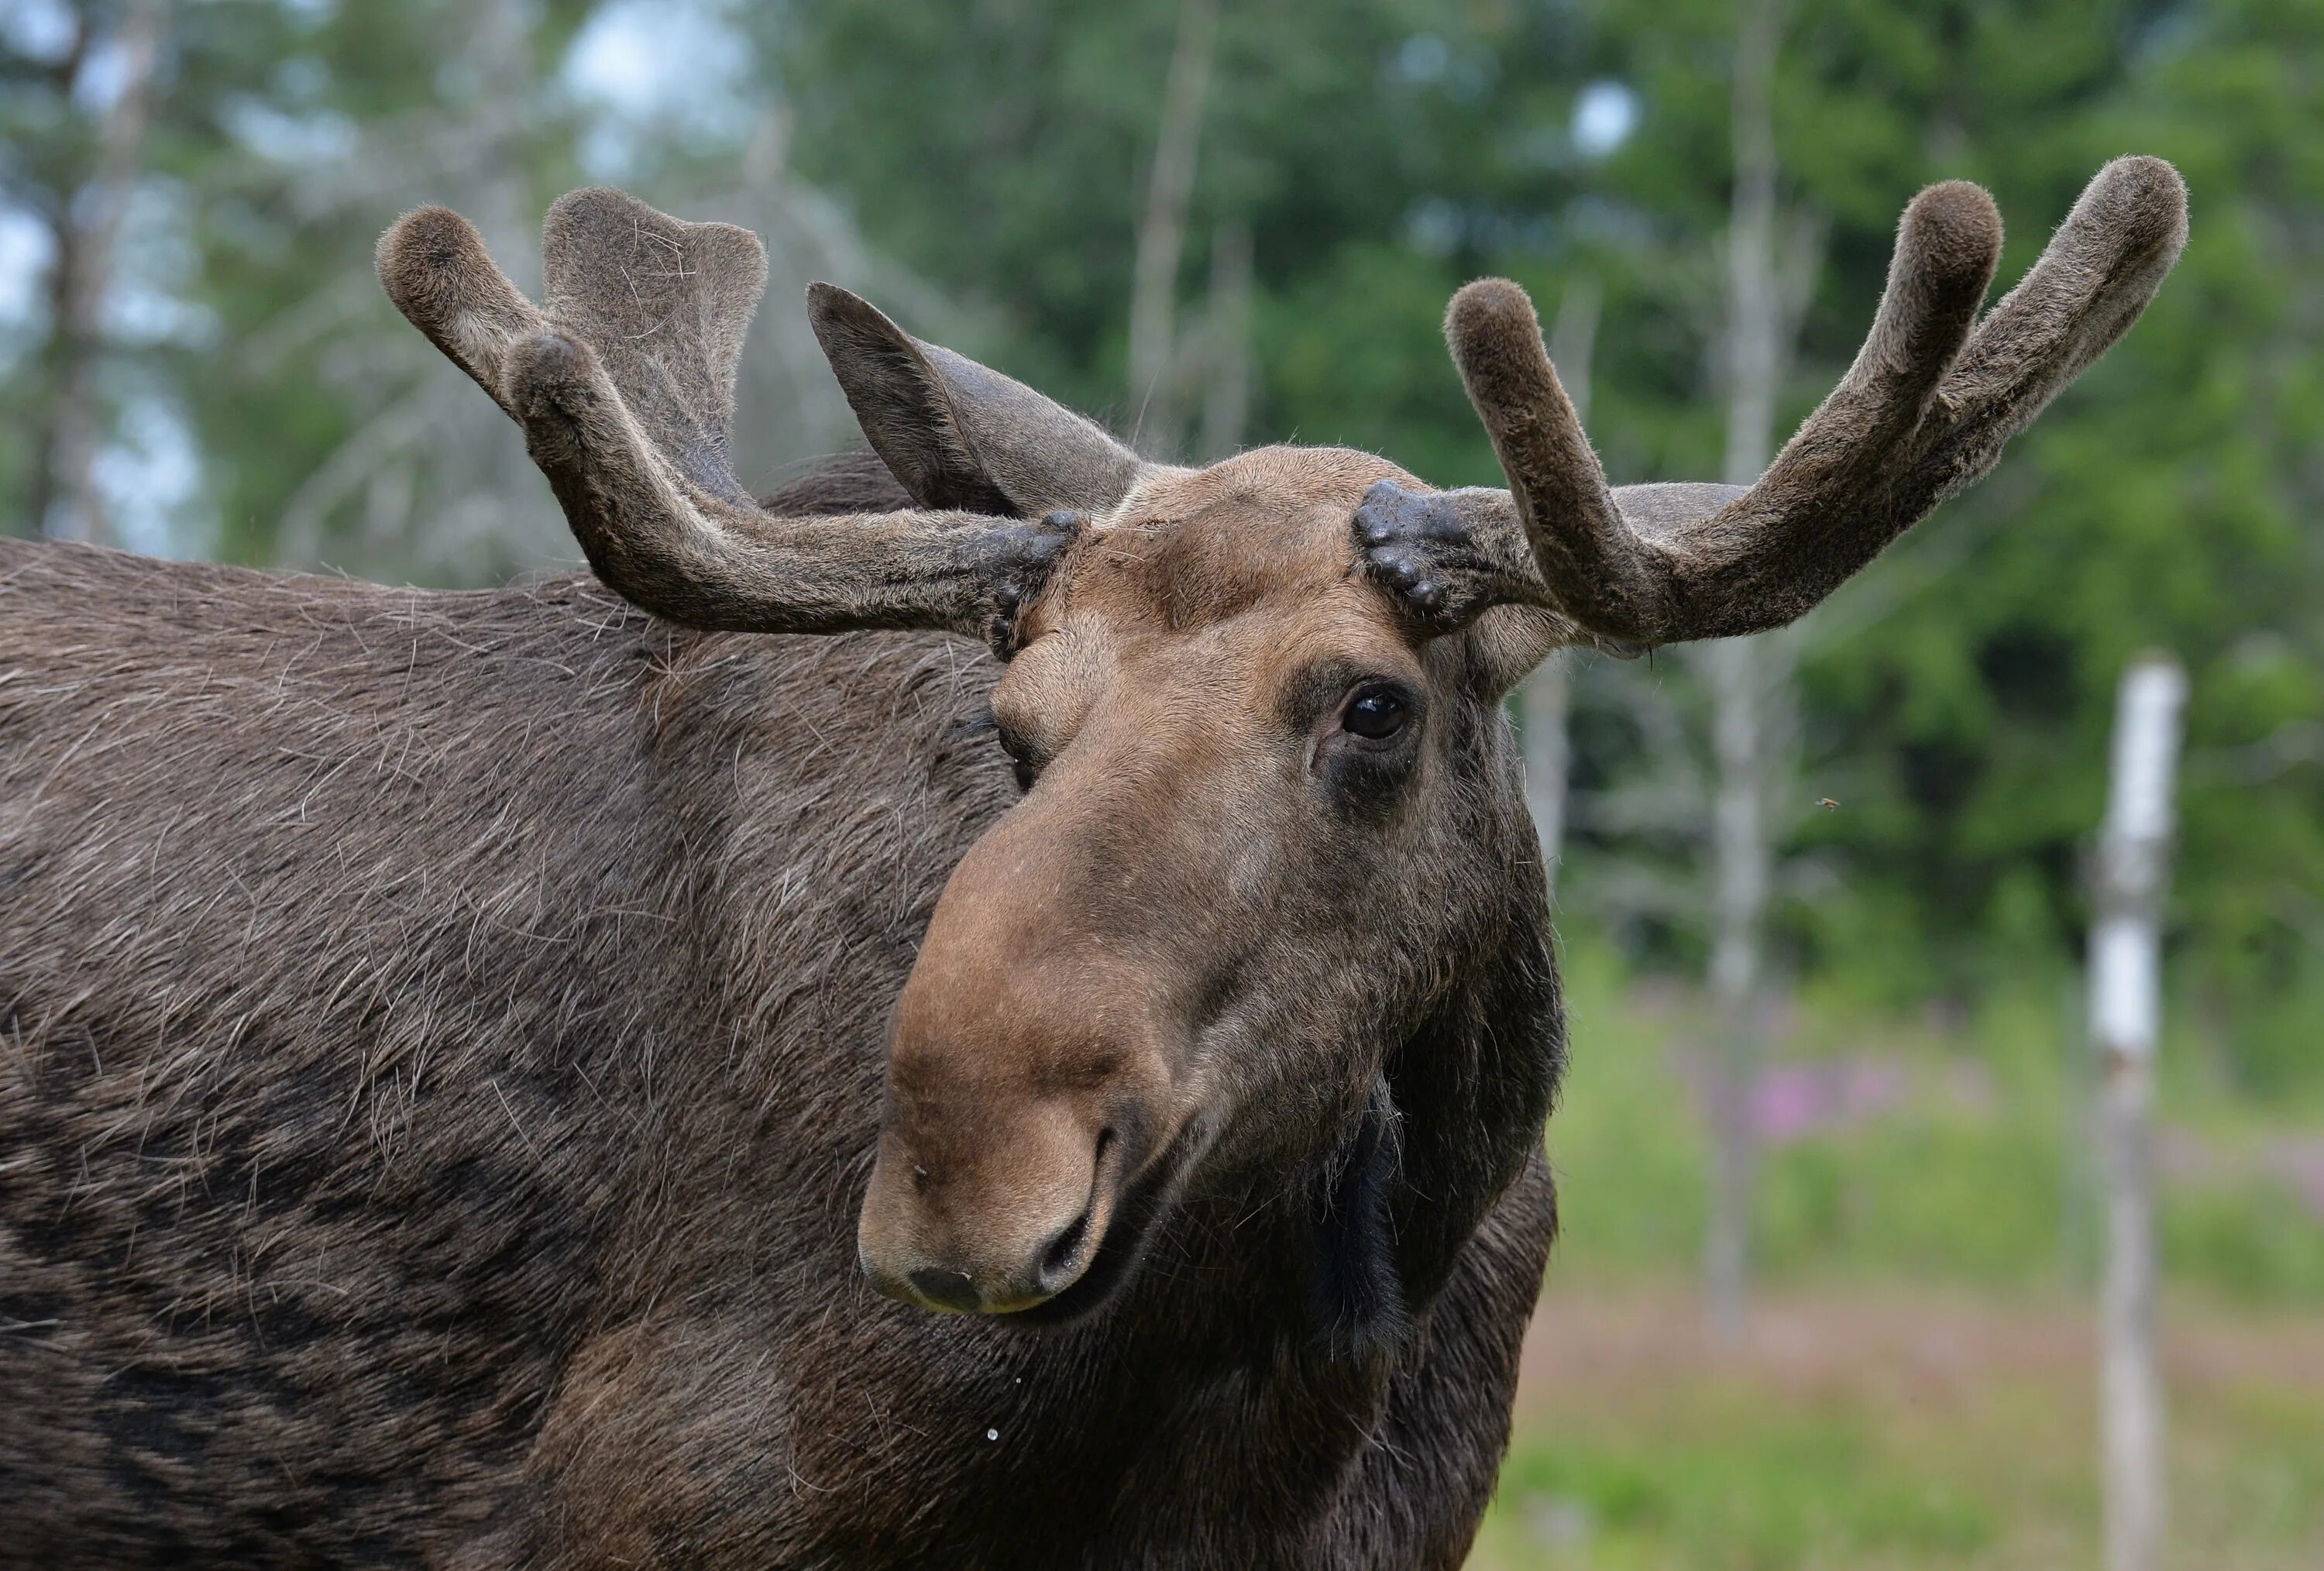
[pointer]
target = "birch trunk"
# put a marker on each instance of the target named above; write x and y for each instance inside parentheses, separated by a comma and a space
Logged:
(2126, 1009)
(68, 504)
(1162, 231)
(1228, 369)
(1740, 673)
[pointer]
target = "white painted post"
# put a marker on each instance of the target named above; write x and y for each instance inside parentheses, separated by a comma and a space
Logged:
(2126, 1010)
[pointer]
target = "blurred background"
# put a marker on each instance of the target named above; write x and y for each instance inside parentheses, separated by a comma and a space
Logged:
(1832, 1208)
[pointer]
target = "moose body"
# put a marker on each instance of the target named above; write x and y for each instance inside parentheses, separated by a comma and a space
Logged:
(501, 1079)
(444, 1042)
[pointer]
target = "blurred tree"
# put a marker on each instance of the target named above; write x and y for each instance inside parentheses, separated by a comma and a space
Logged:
(85, 213)
(1155, 354)
(1749, 679)
(344, 437)
(110, 110)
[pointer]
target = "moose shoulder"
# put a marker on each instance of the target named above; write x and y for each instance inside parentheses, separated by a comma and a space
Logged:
(501, 1079)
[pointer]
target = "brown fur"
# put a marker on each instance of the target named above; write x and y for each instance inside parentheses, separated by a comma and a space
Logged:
(447, 1037)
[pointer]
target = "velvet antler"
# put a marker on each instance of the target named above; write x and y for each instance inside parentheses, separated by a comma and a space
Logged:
(1925, 410)
(624, 386)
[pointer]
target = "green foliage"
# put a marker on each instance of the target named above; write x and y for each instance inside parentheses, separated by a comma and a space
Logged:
(1953, 1437)
(1970, 1173)
(1808, 1489)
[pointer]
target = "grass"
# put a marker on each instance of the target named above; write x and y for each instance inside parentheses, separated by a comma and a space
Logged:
(1875, 1428)
(1917, 1387)
(1977, 1173)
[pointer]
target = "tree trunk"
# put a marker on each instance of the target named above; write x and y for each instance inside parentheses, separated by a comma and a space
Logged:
(68, 503)
(1741, 674)
(1228, 369)
(1162, 232)
(1544, 710)
(2126, 986)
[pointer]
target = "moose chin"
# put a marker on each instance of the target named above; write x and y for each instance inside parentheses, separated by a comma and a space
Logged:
(501, 1079)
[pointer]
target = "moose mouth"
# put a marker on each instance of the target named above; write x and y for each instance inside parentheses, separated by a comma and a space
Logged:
(1124, 1245)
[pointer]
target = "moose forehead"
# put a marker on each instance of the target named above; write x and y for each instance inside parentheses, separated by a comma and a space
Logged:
(1192, 548)
(1240, 581)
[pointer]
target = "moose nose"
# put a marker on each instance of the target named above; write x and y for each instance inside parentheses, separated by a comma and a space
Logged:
(1058, 1266)
(946, 1241)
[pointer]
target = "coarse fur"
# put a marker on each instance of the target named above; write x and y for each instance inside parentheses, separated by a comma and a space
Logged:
(444, 1040)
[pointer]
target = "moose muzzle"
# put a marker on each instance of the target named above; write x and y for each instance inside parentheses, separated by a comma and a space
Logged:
(1026, 1079)
(973, 1212)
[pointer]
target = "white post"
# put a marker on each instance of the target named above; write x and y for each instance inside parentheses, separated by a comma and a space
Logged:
(2125, 1010)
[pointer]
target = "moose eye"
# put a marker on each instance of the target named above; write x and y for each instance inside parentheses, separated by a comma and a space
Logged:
(1375, 714)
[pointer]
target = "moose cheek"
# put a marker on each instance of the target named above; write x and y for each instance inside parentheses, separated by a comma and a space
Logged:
(1364, 779)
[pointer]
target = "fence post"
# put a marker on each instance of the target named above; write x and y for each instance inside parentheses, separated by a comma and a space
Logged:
(2125, 1010)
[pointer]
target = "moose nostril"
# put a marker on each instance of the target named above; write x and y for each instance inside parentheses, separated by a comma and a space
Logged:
(1059, 1260)
(945, 1290)
(1064, 1258)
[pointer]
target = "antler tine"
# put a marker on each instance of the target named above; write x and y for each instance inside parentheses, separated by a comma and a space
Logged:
(434, 266)
(1591, 561)
(1926, 408)
(666, 305)
(625, 387)
(1598, 567)
(2094, 280)
(1820, 511)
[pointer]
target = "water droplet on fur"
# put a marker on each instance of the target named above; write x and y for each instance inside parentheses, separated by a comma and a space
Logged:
(992, 1434)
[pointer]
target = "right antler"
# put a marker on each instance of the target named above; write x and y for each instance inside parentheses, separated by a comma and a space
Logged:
(625, 387)
(1917, 417)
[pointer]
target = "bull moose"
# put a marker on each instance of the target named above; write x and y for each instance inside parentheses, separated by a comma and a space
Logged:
(499, 1079)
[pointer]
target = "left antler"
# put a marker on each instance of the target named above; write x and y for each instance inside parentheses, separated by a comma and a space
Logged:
(1925, 410)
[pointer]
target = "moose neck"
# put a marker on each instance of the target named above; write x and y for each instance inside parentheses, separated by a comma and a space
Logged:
(1365, 1241)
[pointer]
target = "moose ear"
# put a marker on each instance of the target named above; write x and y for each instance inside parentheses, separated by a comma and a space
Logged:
(956, 435)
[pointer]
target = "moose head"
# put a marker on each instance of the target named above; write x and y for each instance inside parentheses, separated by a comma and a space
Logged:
(1270, 810)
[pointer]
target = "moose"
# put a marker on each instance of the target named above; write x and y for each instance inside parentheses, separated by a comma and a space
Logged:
(502, 1079)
